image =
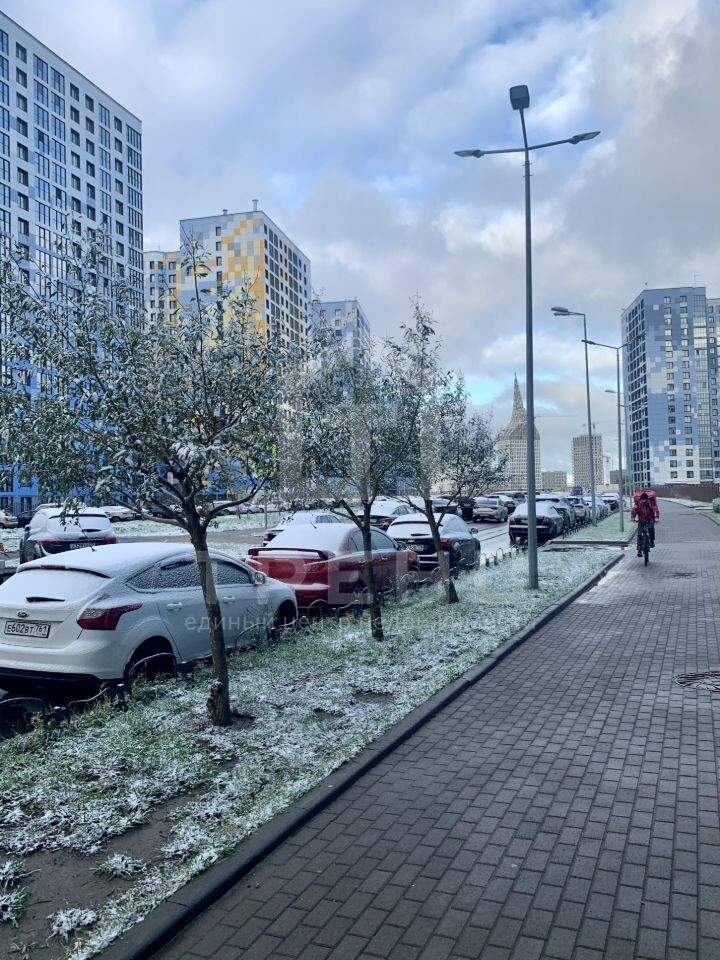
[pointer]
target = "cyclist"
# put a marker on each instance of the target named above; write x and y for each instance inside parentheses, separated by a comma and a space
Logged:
(645, 512)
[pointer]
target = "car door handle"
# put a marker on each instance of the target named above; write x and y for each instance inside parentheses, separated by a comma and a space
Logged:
(173, 606)
(228, 599)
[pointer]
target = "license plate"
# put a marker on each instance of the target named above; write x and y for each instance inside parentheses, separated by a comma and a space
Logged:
(418, 547)
(19, 628)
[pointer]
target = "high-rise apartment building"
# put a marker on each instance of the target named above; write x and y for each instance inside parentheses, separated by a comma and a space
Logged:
(161, 278)
(512, 444)
(347, 320)
(581, 460)
(671, 377)
(554, 480)
(240, 249)
(70, 165)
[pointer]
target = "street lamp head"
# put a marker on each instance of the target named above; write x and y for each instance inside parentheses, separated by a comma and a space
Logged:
(520, 97)
(579, 137)
(561, 311)
(468, 153)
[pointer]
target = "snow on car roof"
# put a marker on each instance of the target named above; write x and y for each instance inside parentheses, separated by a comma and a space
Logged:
(417, 518)
(543, 508)
(324, 536)
(112, 559)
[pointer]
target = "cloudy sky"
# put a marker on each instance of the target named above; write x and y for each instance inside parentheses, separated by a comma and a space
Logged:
(342, 116)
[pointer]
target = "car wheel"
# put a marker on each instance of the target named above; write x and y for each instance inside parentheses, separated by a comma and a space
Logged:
(159, 656)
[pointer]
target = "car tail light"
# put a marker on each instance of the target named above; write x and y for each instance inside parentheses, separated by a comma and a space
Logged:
(107, 538)
(104, 618)
(446, 544)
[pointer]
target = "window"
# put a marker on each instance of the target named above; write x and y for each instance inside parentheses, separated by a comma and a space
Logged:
(227, 574)
(22, 127)
(89, 125)
(21, 53)
(180, 575)
(40, 68)
(58, 81)
(23, 201)
(21, 102)
(691, 473)
(74, 92)
(378, 541)
(23, 177)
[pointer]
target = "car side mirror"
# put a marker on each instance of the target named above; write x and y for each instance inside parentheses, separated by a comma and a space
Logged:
(260, 578)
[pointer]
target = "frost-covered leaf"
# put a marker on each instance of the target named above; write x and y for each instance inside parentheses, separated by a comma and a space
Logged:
(66, 922)
(12, 904)
(122, 865)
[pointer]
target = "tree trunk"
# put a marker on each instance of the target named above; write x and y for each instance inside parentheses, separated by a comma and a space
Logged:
(373, 601)
(443, 561)
(218, 703)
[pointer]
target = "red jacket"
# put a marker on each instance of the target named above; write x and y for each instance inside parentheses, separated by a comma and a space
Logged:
(644, 511)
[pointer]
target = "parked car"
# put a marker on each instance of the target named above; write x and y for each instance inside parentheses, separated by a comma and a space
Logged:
(383, 512)
(582, 511)
(444, 504)
(94, 615)
(550, 523)
(611, 499)
(563, 507)
(324, 563)
(117, 513)
(601, 508)
(7, 520)
(456, 537)
(303, 517)
(490, 508)
(2, 561)
(49, 532)
(508, 502)
(25, 516)
(519, 496)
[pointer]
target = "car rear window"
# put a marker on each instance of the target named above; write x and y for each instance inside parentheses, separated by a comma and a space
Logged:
(85, 523)
(41, 583)
(325, 536)
(409, 528)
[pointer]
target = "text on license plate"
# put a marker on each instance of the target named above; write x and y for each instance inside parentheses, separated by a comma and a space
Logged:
(418, 547)
(21, 629)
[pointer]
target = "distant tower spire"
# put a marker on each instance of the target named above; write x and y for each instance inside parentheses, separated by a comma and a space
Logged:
(518, 410)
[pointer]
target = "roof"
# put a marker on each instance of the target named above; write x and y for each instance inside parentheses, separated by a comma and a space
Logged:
(112, 559)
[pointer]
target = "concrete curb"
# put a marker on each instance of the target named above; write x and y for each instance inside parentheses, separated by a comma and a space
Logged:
(148, 936)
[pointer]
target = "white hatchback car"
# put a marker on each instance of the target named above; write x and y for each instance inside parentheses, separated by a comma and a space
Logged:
(90, 615)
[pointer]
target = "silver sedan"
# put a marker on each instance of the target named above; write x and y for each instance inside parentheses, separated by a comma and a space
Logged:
(93, 614)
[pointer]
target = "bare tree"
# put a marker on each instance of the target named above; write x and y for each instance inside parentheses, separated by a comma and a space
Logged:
(146, 413)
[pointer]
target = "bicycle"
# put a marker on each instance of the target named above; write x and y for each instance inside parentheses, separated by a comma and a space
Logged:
(644, 541)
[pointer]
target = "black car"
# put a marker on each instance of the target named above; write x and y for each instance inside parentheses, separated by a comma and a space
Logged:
(563, 507)
(457, 538)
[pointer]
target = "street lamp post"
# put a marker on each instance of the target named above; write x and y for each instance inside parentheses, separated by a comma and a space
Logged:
(520, 101)
(618, 350)
(564, 312)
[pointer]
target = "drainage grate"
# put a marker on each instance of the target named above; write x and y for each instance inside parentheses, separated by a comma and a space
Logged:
(709, 680)
(682, 575)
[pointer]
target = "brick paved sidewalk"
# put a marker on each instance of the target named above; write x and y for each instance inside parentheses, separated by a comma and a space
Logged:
(566, 806)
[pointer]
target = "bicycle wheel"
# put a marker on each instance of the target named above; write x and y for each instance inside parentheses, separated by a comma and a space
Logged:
(646, 548)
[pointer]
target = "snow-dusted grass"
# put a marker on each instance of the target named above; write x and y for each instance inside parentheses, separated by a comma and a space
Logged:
(153, 528)
(311, 702)
(10, 539)
(607, 529)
